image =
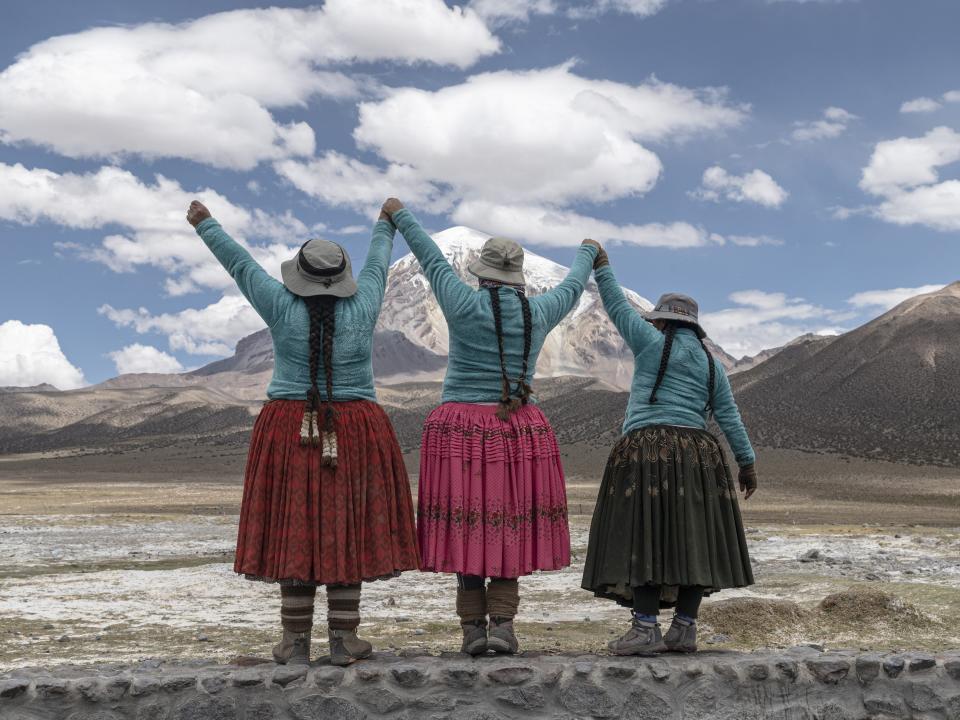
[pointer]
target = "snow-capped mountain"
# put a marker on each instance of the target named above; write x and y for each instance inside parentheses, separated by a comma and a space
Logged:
(585, 343)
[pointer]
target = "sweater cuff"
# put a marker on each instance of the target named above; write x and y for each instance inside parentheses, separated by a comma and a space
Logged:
(384, 225)
(602, 273)
(205, 225)
(592, 249)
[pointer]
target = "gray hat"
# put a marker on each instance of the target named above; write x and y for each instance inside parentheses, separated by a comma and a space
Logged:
(682, 308)
(500, 260)
(320, 268)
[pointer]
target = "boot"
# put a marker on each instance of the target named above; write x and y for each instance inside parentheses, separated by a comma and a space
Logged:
(474, 637)
(642, 638)
(502, 638)
(681, 637)
(293, 649)
(346, 648)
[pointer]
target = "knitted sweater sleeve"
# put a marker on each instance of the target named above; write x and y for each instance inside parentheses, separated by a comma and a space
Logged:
(728, 418)
(452, 293)
(267, 295)
(636, 331)
(556, 303)
(372, 279)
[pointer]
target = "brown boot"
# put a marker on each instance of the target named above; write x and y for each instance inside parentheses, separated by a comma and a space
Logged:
(472, 610)
(503, 599)
(293, 649)
(346, 648)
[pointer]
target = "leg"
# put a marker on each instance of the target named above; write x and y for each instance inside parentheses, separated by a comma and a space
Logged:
(682, 635)
(343, 619)
(472, 609)
(643, 637)
(503, 599)
(296, 616)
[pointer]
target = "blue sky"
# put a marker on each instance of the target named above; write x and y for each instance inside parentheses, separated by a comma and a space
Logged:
(793, 165)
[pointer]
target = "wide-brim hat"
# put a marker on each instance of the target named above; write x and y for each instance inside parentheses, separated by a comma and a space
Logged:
(680, 308)
(501, 260)
(321, 267)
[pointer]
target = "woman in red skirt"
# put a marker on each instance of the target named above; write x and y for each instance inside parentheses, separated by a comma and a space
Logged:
(326, 498)
(493, 501)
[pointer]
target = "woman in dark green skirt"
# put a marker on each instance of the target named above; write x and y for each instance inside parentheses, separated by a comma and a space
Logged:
(667, 529)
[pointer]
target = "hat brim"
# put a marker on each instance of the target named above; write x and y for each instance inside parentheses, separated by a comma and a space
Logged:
(685, 319)
(483, 271)
(299, 284)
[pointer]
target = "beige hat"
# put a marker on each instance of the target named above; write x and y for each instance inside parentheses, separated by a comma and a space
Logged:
(320, 268)
(501, 260)
(682, 308)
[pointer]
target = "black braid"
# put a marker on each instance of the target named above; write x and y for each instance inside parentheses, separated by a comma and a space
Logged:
(316, 323)
(713, 377)
(498, 324)
(668, 332)
(329, 326)
(322, 325)
(523, 387)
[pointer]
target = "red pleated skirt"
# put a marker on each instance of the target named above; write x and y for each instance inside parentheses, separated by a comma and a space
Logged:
(305, 523)
(493, 500)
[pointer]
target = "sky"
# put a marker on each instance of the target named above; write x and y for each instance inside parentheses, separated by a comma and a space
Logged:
(792, 164)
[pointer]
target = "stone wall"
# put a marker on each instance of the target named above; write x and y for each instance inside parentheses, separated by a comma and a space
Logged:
(796, 684)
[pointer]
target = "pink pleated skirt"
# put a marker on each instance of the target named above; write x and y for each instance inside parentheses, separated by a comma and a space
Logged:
(492, 499)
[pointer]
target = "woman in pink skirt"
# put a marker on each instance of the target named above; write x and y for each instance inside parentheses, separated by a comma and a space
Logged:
(493, 502)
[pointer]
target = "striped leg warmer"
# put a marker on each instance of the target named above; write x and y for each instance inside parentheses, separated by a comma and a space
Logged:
(343, 607)
(296, 608)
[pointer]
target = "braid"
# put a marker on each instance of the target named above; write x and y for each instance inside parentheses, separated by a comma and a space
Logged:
(713, 377)
(668, 332)
(522, 386)
(329, 326)
(506, 405)
(322, 325)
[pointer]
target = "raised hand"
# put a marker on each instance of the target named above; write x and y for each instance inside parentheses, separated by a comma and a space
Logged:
(601, 259)
(197, 213)
(390, 206)
(748, 481)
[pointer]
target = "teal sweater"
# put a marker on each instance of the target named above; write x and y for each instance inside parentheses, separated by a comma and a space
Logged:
(473, 367)
(286, 316)
(683, 394)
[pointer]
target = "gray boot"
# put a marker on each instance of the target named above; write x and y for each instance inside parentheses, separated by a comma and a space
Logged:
(681, 637)
(474, 637)
(641, 639)
(293, 649)
(346, 648)
(501, 638)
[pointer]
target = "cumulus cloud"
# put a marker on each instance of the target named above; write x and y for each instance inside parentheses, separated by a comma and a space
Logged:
(755, 186)
(888, 299)
(578, 138)
(905, 173)
(212, 330)
(760, 320)
(833, 123)
(31, 355)
(204, 89)
(139, 358)
(151, 219)
(920, 105)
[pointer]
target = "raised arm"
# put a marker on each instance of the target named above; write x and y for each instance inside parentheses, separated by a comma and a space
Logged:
(267, 295)
(728, 418)
(557, 302)
(451, 292)
(636, 331)
(372, 279)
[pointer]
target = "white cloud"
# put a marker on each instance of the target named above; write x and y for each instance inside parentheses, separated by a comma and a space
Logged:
(31, 355)
(642, 8)
(833, 124)
(952, 96)
(753, 240)
(139, 358)
(905, 173)
(888, 299)
(499, 12)
(151, 219)
(560, 228)
(920, 105)
(760, 320)
(203, 89)
(212, 330)
(544, 136)
(755, 186)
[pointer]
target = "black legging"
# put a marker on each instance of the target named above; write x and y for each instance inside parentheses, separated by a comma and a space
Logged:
(646, 600)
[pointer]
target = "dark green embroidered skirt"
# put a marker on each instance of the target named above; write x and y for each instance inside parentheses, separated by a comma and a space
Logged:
(666, 515)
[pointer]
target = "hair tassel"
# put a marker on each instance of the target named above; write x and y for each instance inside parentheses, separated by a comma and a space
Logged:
(329, 457)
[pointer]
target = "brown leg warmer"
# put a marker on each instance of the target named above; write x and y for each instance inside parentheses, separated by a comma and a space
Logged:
(296, 608)
(503, 598)
(343, 607)
(472, 605)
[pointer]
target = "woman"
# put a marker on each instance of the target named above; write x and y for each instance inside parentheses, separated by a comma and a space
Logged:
(492, 495)
(666, 529)
(326, 497)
